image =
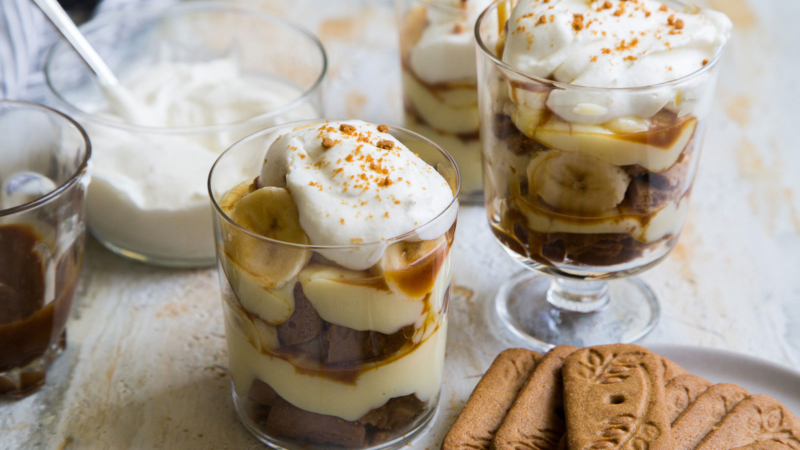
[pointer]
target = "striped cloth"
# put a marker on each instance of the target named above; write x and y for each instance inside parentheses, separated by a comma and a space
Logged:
(25, 38)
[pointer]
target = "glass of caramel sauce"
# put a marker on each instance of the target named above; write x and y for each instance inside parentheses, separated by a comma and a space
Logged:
(322, 353)
(43, 177)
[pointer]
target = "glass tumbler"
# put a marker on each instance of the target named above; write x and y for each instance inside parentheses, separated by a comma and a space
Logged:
(440, 84)
(43, 177)
(582, 202)
(321, 354)
(148, 199)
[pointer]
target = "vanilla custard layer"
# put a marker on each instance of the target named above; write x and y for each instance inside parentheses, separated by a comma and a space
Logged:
(466, 153)
(651, 228)
(452, 109)
(418, 372)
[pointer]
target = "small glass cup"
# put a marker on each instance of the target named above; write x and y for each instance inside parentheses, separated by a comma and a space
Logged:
(147, 199)
(43, 178)
(584, 202)
(440, 85)
(324, 355)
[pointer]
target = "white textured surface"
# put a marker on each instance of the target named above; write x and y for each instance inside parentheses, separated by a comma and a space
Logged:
(146, 364)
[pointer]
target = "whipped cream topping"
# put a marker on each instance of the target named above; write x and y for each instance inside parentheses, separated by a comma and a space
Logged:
(446, 50)
(354, 183)
(613, 44)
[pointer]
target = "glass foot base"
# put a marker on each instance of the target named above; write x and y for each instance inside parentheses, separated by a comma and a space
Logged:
(526, 316)
(174, 263)
(23, 381)
(245, 413)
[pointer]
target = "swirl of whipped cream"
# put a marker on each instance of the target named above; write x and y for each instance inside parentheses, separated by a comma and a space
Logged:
(355, 183)
(446, 49)
(613, 44)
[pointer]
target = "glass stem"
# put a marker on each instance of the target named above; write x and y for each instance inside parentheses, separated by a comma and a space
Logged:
(578, 296)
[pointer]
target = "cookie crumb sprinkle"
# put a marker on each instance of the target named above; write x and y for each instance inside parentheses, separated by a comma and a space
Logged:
(385, 144)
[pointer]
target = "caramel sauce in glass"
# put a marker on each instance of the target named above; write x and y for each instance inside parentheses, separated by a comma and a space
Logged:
(28, 326)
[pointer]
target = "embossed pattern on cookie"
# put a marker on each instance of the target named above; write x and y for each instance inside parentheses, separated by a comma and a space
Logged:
(490, 401)
(681, 392)
(756, 418)
(614, 399)
(536, 420)
(670, 369)
(765, 445)
(704, 414)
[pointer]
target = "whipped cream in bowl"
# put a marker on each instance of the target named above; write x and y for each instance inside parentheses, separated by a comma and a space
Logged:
(334, 242)
(188, 90)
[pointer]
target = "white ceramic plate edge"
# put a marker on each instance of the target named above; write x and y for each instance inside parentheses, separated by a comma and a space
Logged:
(723, 366)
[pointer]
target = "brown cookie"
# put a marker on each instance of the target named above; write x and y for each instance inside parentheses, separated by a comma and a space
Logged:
(681, 392)
(262, 393)
(765, 445)
(491, 400)
(396, 414)
(702, 416)
(614, 399)
(290, 421)
(349, 345)
(536, 420)
(303, 325)
(755, 419)
(670, 369)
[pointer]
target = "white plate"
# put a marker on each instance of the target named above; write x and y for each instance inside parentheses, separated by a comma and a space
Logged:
(721, 366)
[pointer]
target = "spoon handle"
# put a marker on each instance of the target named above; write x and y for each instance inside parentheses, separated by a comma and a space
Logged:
(67, 28)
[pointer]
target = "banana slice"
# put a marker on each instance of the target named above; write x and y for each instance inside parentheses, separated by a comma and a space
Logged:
(262, 337)
(357, 299)
(576, 183)
(526, 119)
(410, 268)
(656, 149)
(668, 221)
(234, 195)
(273, 305)
(267, 337)
(270, 212)
(529, 95)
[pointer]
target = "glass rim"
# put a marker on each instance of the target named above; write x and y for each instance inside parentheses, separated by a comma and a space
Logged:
(217, 209)
(442, 5)
(155, 13)
(74, 178)
(564, 85)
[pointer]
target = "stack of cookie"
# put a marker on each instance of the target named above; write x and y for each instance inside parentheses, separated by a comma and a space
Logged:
(613, 397)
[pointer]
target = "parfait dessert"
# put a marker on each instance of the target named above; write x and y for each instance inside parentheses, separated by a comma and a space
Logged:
(594, 127)
(593, 114)
(437, 45)
(335, 271)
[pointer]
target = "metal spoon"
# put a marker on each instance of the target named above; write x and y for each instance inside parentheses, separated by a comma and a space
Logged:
(120, 99)
(75, 38)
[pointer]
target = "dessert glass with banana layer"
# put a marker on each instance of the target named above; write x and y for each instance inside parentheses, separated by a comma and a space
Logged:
(593, 115)
(333, 241)
(440, 84)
